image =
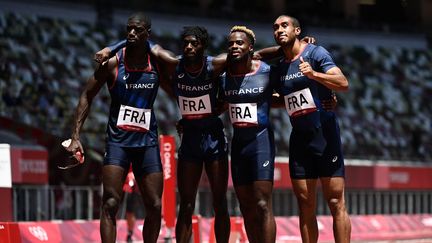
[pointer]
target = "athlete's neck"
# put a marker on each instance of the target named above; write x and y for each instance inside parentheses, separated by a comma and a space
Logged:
(136, 57)
(194, 67)
(242, 67)
(292, 50)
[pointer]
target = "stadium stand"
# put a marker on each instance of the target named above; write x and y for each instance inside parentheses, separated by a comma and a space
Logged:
(385, 115)
(385, 118)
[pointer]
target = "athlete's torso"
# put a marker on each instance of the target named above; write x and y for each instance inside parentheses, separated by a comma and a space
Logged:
(249, 98)
(196, 95)
(132, 122)
(301, 94)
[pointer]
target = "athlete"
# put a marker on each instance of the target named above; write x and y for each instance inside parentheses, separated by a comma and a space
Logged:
(193, 78)
(203, 142)
(133, 80)
(307, 73)
(247, 89)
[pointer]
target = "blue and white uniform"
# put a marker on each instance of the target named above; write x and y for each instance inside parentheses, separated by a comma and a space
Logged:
(315, 147)
(249, 100)
(203, 137)
(132, 129)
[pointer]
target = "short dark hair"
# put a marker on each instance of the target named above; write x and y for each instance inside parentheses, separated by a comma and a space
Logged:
(198, 31)
(142, 17)
(295, 21)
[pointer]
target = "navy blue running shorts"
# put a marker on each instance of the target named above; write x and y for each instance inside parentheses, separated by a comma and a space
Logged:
(253, 159)
(203, 140)
(145, 160)
(306, 164)
(202, 146)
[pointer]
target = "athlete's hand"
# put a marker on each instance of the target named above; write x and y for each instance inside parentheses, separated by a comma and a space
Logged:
(102, 55)
(74, 147)
(306, 68)
(330, 104)
(309, 39)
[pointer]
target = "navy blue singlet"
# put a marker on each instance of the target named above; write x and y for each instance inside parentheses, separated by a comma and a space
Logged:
(132, 122)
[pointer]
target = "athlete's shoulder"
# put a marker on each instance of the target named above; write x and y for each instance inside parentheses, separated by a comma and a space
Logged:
(180, 66)
(315, 51)
(209, 61)
(120, 53)
(264, 64)
(264, 67)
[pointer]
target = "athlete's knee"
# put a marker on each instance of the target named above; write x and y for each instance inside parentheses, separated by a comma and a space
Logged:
(111, 205)
(263, 207)
(336, 206)
(187, 208)
(155, 206)
(306, 202)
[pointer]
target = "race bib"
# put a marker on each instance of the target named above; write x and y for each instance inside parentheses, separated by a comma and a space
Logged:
(243, 115)
(299, 103)
(193, 107)
(134, 119)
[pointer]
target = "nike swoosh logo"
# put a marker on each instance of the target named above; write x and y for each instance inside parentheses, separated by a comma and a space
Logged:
(266, 163)
(334, 159)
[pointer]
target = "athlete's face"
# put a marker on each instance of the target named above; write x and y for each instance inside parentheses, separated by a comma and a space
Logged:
(137, 32)
(284, 31)
(193, 49)
(239, 46)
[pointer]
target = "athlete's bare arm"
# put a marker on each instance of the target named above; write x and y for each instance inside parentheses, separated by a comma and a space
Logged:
(102, 74)
(166, 59)
(167, 65)
(273, 52)
(219, 63)
(102, 55)
(333, 79)
(162, 55)
(165, 56)
(108, 52)
(166, 77)
(268, 53)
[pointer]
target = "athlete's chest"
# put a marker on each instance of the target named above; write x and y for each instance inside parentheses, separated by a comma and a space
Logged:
(291, 78)
(246, 87)
(136, 80)
(188, 84)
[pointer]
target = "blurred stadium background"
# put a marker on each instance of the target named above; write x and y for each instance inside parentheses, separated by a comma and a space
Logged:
(383, 47)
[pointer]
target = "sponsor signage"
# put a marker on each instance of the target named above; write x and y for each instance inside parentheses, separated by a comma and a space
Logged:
(29, 165)
(167, 150)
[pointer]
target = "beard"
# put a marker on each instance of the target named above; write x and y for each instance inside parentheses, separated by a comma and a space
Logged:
(193, 59)
(237, 59)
